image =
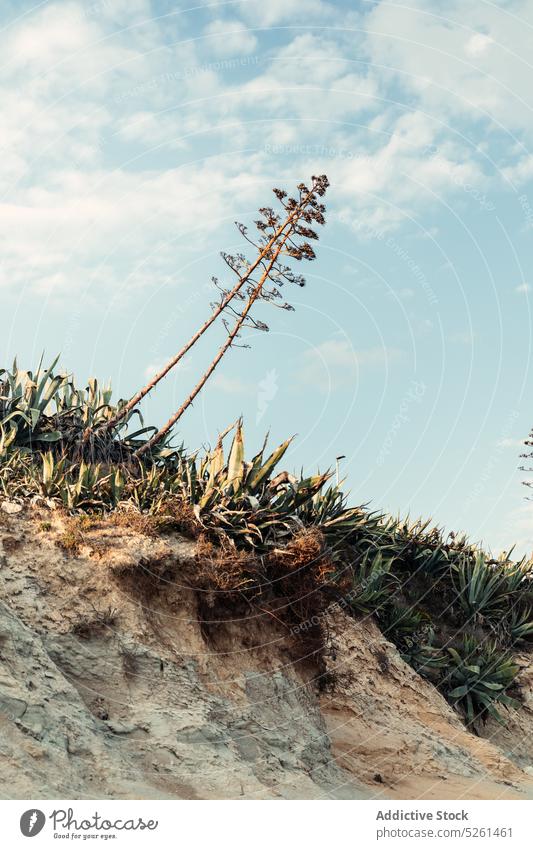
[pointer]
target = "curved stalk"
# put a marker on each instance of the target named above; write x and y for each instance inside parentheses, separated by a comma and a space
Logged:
(222, 350)
(263, 253)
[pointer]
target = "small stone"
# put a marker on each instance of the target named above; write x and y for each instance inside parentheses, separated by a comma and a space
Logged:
(11, 507)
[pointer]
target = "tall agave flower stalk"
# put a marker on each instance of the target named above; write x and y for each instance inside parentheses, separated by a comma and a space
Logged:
(277, 238)
(276, 233)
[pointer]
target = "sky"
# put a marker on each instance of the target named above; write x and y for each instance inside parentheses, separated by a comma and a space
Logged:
(134, 134)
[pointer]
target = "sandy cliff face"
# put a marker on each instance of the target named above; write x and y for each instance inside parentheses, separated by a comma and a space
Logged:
(111, 686)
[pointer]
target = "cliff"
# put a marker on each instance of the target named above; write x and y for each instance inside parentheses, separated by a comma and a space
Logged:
(120, 677)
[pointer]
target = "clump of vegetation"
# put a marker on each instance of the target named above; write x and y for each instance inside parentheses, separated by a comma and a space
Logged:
(477, 677)
(44, 412)
(70, 541)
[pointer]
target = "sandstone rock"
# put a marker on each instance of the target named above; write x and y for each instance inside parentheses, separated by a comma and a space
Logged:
(110, 687)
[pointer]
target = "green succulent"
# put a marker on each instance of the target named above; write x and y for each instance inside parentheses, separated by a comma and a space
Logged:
(519, 625)
(482, 588)
(426, 658)
(400, 621)
(42, 410)
(373, 582)
(477, 678)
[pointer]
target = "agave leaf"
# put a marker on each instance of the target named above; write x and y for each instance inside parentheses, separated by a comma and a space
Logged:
(118, 482)
(236, 460)
(51, 436)
(136, 433)
(459, 692)
(257, 462)
(508, 701)
(257, 478)
(216, 464)
(491, 685)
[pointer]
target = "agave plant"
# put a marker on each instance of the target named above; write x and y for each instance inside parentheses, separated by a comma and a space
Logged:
(400, 622)
(517, 575)
(426, 658)
(53, 476)
(519, 625)
(477, 679)
(343, 527)
(25, 399)
(243, 498)
(42, 410)
(373, 583)
(236, 476)
(482, 587)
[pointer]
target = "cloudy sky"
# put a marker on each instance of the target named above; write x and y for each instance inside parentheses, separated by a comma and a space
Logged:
(133, 135)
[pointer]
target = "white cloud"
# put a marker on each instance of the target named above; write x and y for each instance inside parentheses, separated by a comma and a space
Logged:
(311, 75)
(275, 11)
(523, 289)
(412, 169)
(82, 101)
(520, 171)
(429, 56)
(463, 337)
(230, 38)
(86, 222)
(478, 44)
(518, 530)
(154, 367)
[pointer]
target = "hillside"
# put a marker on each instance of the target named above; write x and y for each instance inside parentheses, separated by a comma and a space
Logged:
(123, 677)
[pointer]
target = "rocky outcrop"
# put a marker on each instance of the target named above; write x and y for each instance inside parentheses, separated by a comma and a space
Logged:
(394, 730)
(113, 686)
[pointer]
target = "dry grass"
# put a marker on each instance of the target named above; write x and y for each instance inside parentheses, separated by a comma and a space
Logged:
(178, 516)
(225, 568)
(70, 541)
(73, 537)
(303, 550)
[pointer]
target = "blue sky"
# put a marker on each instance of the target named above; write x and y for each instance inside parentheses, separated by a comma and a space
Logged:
(135, 133)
